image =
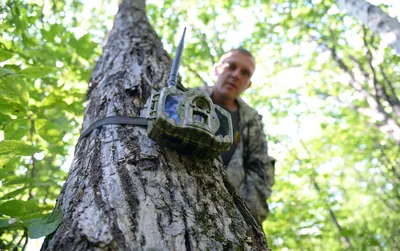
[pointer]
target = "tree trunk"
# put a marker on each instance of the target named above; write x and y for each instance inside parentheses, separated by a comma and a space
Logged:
(124, 192)
(378, 21)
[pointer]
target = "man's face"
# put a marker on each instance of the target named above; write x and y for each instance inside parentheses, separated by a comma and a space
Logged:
(234, 74)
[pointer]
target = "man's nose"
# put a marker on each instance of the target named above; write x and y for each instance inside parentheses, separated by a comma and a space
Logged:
(236, 73)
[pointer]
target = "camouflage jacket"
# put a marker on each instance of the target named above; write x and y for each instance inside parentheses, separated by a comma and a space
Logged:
(251, 169)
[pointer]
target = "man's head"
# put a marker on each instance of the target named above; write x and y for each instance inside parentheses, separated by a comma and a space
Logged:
(233, 73)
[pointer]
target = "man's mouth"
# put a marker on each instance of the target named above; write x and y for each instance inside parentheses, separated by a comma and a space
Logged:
(231, 85)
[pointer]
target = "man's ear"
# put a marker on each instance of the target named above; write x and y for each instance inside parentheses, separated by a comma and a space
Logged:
(217, 68)
(249, 85)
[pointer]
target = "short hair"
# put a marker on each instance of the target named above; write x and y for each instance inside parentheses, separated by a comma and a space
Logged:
(240, 50)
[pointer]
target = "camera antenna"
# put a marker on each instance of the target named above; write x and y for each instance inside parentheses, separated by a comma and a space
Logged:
(177, 60)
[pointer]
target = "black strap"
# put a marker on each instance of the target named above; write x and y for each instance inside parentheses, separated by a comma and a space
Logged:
(119, 120)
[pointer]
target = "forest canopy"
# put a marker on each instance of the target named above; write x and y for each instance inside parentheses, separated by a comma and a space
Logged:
(328, 88)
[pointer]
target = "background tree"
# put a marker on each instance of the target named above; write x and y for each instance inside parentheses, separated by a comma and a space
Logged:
(387, 27)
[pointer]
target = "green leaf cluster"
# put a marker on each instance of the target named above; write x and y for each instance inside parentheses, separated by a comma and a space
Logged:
(46, 57)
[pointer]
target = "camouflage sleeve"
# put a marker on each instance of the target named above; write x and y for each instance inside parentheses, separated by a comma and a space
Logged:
(259, 168)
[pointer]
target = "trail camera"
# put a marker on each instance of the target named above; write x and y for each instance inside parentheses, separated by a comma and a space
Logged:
(188, 122)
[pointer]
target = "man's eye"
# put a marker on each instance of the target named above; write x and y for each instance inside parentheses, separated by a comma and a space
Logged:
(246, 73)
(232, 67)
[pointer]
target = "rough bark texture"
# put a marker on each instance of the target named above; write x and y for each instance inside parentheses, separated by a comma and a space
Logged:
(126, 193)
(378, 21)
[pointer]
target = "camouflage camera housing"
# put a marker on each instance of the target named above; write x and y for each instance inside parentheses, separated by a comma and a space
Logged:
(190, 123)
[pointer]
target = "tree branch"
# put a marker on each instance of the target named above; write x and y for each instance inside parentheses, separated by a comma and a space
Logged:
(388, 127)
(204, 38)
(197, 75)
(354, 83)
(331, 213)
(33, 159)
(26, 239)
(139, 4)
(380, 92)
(394, 99)
(333, 217)
(390, 164)
(375, 111)
(379, 196)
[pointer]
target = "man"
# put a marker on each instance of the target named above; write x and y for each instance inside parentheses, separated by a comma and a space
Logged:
(248, 165)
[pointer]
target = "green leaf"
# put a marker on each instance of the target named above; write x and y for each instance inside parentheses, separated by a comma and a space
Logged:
(16, 208)
(45, 225)
(9, 164)
(49, 131)
(13, 89)
(53, 100)
(37, 72)
(30, 218)
(18, 180)
(12, 67)
(4, 118)
(348, 232)
(6, 72)
(14, 193)
(10, 108)
(6, 173)
(16, 129)
(17, 148)
(5, 224)
(4, 55)
(84, 46)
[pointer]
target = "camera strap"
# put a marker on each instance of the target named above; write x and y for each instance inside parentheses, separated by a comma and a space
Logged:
(119, 120)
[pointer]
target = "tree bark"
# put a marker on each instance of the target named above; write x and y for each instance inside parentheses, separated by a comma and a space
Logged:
(378, 21)
(124, 192)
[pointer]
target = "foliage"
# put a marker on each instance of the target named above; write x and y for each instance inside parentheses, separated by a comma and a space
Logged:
(45, 66)
(344, 167)
(327, 87)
